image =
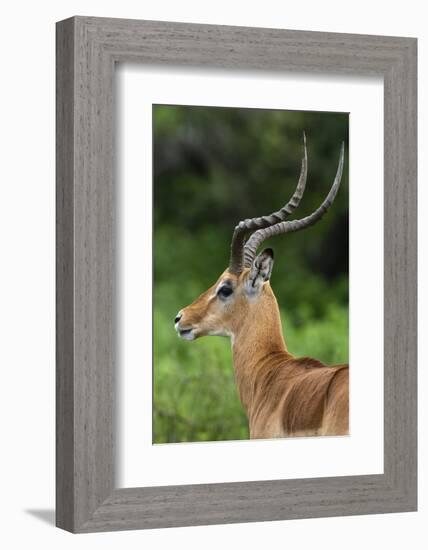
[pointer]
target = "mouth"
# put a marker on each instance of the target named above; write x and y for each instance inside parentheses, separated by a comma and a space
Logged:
(185, 333)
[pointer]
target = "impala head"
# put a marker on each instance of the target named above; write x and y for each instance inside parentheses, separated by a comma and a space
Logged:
(243, 289)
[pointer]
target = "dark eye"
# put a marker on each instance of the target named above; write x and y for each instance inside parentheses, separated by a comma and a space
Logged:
(225, 291)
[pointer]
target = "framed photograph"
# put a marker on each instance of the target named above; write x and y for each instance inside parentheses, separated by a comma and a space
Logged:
(236, 274)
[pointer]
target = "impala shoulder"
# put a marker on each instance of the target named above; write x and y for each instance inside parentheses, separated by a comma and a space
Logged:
(307, 363)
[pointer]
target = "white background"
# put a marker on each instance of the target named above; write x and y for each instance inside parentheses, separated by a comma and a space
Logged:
(27, 274)
(362, 452)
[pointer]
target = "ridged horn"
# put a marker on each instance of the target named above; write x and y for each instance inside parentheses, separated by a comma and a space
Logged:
(280, 228)
(255, 224)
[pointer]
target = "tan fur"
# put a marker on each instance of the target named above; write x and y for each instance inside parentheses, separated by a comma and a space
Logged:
(282, 395)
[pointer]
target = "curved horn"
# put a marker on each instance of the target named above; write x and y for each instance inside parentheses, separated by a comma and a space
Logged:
(241, 230)
(281, 228)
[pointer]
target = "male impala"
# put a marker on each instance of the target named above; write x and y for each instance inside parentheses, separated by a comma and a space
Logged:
(282, 395)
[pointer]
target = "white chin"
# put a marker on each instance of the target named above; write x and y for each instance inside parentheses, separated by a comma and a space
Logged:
(188, 335)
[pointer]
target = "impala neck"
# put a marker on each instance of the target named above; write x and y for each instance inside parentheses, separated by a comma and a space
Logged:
(257, 337)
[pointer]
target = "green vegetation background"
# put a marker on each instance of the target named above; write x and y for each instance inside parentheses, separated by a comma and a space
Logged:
(212, 168)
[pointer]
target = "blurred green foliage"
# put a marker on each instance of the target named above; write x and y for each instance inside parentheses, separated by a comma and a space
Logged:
(213, 167)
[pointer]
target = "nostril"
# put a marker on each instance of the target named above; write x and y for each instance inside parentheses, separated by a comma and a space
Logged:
(177, 318)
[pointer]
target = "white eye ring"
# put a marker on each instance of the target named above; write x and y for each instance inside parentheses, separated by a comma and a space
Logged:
(224, 291)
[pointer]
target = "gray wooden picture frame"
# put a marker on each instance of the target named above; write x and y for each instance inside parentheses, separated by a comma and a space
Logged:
(87, 51)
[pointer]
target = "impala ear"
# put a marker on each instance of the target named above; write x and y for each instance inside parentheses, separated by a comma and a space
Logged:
(260, 271)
